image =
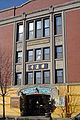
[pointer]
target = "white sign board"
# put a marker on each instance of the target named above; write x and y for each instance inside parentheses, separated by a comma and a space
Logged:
(60, 101)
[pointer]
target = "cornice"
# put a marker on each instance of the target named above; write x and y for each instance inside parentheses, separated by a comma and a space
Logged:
(51, 9)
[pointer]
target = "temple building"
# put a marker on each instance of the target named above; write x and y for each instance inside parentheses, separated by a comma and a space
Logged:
(42, 37)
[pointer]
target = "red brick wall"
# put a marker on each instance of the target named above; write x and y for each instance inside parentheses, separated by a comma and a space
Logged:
(6, 44)
(73, 45)
(31, 6)
(39, 4)
(7, 14)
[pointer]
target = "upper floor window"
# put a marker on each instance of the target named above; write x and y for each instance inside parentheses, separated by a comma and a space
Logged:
(30, 78)
(46, 77)
(46, 27)
(20, 32)
(38, 54)
(19, 56)
(37, 77)
(30, 55)
(59, 76)
(31, 30)
(18, 79)
(58, 24)
(38, 29)
(46, 53)
(58, 52)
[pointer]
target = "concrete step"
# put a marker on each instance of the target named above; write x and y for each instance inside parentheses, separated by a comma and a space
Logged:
(29, 118)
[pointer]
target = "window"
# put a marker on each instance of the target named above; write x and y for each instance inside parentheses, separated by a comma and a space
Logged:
(46, 28)
(59, 76)
(19, 56)
(30, 78)
(58, 52)
(30, 55)
(20, 32)
(31, 30)
(38, 54)
(38, 29)
(46, 77)
(18, 79)
(46, 53)
(37, 77)
(58, 25)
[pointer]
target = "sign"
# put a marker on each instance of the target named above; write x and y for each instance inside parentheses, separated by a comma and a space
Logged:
(60, 101)
(15, 102)
(36, 90)
(38, 66)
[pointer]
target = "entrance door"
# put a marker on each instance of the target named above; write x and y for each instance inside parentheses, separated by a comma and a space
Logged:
(37, 105)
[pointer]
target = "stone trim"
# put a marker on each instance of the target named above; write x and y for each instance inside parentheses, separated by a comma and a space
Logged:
(45, 11)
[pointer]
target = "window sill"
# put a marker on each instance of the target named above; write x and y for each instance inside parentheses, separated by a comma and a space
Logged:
(38, 38)
(18, 42)
(18, 63)
(58, 35)
(59, 59)
(32, 62)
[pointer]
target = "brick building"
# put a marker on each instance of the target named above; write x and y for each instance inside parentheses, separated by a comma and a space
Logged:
(43, 38)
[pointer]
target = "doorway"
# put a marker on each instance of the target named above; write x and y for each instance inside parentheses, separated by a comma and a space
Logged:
(35, 105)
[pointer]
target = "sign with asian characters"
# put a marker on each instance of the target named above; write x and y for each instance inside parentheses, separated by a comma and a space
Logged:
(38, 66)
(36, 90)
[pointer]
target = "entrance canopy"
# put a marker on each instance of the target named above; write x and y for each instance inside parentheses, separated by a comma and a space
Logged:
(36, 90)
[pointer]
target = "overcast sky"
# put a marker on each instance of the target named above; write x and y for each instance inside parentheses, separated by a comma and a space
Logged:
(10, 3)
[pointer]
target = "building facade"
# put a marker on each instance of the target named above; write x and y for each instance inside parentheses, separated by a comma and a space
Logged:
(43, 38)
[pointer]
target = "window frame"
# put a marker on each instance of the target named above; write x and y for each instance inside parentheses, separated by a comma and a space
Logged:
(39, 78)
(56, 31)
(30, 56)
(36, 59)
(44, 55)
(44, 78)
(18, 59)
(31, 78)
(30, 31)
(19, 33)
(57, 76)
(58, 55)
(44, 27)
(38, 30)
(16, 80)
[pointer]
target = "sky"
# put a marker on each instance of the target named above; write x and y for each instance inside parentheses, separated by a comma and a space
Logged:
(4, 4)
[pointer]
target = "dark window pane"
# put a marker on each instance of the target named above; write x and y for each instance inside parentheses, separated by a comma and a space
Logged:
(30, 78)
(46, 23)
(46, 32)
(58, 25)
(39, 33)
(37, 77)
(46, 28)
(59, 29)
(18, 79)
(20, 32)
(58, 20)
(46, 77)
(38, 29)
(46, 52)
(19, 56)
(58, 52)
(30, 26)
(20, 37)
(31, 35)
(59, 76)
(31, 30)
(30, 55)
(38, 54)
